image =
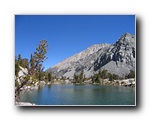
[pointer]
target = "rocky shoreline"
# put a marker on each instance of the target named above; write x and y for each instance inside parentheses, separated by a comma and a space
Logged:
(125, 82)
(24, 104)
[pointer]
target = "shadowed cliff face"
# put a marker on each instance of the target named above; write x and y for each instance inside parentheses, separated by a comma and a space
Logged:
(117, 58)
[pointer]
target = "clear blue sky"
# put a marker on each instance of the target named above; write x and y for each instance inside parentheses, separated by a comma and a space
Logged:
(68, 34)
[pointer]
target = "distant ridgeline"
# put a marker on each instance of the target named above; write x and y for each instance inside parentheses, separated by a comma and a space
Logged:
(114, 60)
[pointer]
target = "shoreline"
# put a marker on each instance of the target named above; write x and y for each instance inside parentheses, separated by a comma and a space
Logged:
(125, 83)
(24, 104)
(25, 88)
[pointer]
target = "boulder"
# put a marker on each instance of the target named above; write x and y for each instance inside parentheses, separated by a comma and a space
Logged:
(42, 83)
(23, 72)
(67, 81)
(36, 84)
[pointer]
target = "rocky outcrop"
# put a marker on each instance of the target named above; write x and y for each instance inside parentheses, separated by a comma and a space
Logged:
(117, 58)
(21, 74)
(25, 83)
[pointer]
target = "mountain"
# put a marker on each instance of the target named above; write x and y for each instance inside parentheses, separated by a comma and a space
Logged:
(117, 58)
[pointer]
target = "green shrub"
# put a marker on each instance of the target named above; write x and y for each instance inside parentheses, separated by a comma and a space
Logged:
(110, 76)
(131, 74)
(115, 77)
(16, 83)
(27, 78)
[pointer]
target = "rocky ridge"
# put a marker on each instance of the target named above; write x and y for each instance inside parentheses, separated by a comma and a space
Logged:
(117, 58)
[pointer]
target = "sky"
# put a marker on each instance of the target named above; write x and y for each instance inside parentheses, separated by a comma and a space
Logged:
(68, 34)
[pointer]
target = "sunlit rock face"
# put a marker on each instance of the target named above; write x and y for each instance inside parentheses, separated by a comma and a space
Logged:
(117, 58)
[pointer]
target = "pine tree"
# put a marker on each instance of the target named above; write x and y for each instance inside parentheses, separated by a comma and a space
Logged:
(100, 73)
(81, 77)
(19, 58)
(39, 71)
(37, 59)
(25, 63)
(104, 74)
(110, 76)
(131, 74)
(16, 68)
(75, 78)
(115, 77)
(97, 78)
(41, 50)
(32, 64)
(49, 77)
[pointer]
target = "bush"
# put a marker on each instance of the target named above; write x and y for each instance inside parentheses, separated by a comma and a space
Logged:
(115, 77)
(27, 78)
(16, 83)
(110, 76)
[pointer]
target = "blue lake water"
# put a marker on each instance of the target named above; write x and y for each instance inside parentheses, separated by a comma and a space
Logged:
(71, 94)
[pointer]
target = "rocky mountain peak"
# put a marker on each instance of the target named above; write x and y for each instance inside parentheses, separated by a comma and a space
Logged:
(117, 58)
(126, 38)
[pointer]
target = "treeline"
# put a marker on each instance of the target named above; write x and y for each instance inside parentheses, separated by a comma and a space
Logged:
(101, 75)
(79, 78)
(104, 74)
(131, 74)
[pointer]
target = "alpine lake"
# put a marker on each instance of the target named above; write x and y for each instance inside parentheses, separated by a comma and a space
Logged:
(80, 94)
